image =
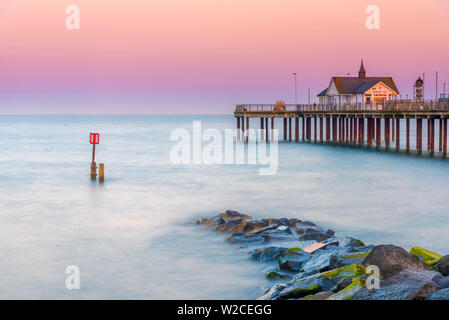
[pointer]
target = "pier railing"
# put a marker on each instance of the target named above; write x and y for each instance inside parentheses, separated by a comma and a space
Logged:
(391, 105)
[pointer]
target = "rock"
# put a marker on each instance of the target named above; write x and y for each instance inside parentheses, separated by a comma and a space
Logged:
(230, 215)
(213, 222)
(314, 235)
(254, 225)
(319, 296)
(294, 260)
(351, 242)
(341, 260)
(320, 259)
(243, 238)
(301, 227)
(392, 259)
(348, 292)
(409, 284)
(281, 233)
(277, 222)
(273, 293)
(268, 254)
(276, 275)
(426, 256)
(439, 295)
(305, 287)
(443, 266)
(298, 288)
(236, 225)
(343, 283)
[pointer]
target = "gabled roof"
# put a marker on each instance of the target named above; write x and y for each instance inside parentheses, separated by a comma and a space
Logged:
(322, 93)
(352, 85)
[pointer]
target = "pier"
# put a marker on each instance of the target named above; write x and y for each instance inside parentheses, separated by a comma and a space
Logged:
(373, 125)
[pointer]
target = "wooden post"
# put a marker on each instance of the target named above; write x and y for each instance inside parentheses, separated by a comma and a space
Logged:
(361, 138)
(387, 132)
(334, 129)
(261, 129)
(243, 128)
(93, 165)
(296, 129)
(247, 129)
(419, 135)
(315, 129)
(378, 130)
(303, 127)
(272, 128)
(101, 173)
(285, 128)
(432, 135)
(407, 136)
(398, 134)
(290, 129)
(428, 133)
(440, 127)
(328, 129)
(356, 134)
(445, 137)
(238, 128)
(321, 129)
(392, 129)
(266, 129)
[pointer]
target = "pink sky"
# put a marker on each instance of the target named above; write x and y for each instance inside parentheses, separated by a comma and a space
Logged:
(204, 56)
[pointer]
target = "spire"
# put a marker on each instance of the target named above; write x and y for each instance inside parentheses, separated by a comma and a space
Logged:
(362, 71)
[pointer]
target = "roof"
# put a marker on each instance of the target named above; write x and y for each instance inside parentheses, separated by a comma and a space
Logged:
(322, 93)
(352, 85)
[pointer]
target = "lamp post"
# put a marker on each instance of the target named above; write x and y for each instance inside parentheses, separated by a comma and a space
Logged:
(296, 89)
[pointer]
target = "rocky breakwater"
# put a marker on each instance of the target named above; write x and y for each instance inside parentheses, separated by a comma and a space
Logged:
(305, 261)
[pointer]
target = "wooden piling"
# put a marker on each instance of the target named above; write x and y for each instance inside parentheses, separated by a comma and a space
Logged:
(101, 172)
(392, 129)
(444, 137)
(328, 129)
(315, 129)
(378, 130)
(398, 134)
(321, 129)
(238, 128)
(440, 129)
(419, 135)
(272, 129)
(266, 129)
(407, 135)
(261, 129)
(303, 128)
(296, 129)
(334, 129)
(247, 129)
(387, 132)
(290, 129)
(285, 129)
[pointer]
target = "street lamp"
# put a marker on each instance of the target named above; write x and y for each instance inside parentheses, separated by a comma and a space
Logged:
(296, 90)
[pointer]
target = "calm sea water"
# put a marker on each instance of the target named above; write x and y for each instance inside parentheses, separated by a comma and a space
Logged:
(133, 236)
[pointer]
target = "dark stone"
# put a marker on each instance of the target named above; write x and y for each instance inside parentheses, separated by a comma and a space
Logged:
(237, 225)
(442, 266)
(281, 233)
(213, 222)
(319, 296)
(294, 261)
(341, 284)
(243, 238)
(392, 259)
(409, 284)
(254, 225)
(230, 215)
(439, 295)
(314, 235)
(307, 286)
(268, 254)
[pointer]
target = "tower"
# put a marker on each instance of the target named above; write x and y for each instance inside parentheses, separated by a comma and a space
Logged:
(418, 90)
(362, 71)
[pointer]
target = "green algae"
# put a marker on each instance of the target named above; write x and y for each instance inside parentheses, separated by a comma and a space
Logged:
(427, 256)
(351, 271)
(355, 255)
(294, 249)
(349, 291)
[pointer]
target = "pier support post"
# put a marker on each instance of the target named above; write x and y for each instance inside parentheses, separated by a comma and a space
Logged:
(444, 137)
(285, 129)
(432, 135)
(368, 132)
(378, 129)
(392, 129)
(328, 129)
(429, 129)
(440, 127)
(266, 129)
(407, 135)
(347, 130)
(398, 134)
(334, 129)
(247, 129)
(315, 129)
(360, 131)
(321, 129)
(261, 129)
(387, 132)
(238, 128)
(419, 135)
(303, 127)
(296, 129)
(351, 128)
(290, 129)
(272, 128)
(356, 134)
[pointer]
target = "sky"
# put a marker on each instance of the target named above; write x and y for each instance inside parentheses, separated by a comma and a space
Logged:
(206, 56)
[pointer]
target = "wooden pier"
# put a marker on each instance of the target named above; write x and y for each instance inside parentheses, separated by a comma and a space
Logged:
(352, 125)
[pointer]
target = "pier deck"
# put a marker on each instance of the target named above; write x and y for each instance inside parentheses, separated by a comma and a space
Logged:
(352, 124)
